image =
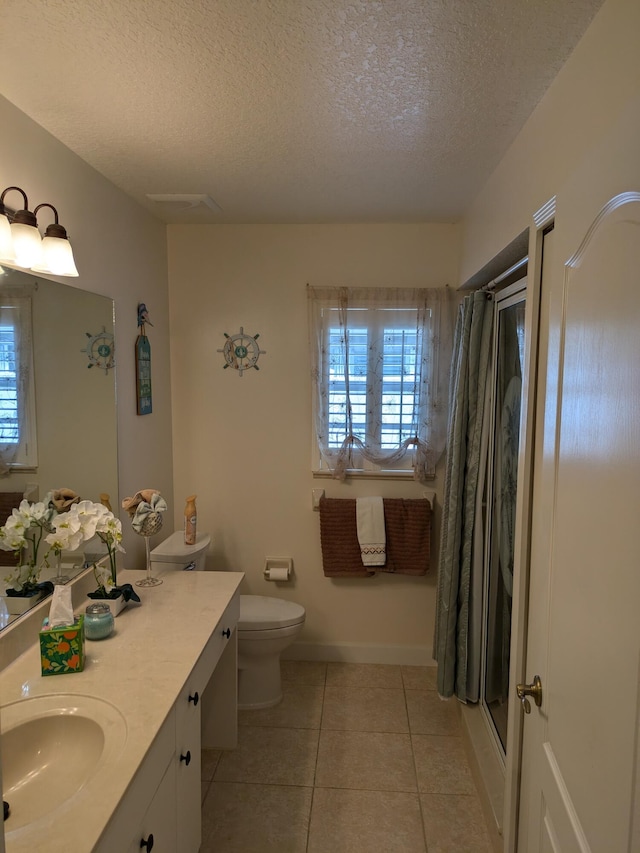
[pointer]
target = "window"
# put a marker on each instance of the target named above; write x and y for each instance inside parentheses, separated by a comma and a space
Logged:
(380, 366)
(9, 432)
(17, 403)
(387, 415)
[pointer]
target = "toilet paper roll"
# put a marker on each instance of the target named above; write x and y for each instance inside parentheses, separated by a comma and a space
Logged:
(276, 574)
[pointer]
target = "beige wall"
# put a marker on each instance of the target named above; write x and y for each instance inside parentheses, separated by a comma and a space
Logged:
(578, 144)
(76, 412)
(243, 444)
(120, 252)
(590, 110)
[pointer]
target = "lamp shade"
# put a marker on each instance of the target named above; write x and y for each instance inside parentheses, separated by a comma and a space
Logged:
(27, 244)
(7, 252)
(57, 257)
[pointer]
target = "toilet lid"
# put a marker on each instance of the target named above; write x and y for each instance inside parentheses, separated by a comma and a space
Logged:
(258, 612)
(173, 549)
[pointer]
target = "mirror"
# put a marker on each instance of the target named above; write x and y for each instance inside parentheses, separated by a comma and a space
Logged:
(74, 399)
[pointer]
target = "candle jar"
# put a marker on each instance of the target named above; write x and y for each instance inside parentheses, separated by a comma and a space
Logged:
(98, 621)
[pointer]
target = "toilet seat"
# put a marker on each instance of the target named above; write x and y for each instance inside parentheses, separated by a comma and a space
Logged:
(260, 612)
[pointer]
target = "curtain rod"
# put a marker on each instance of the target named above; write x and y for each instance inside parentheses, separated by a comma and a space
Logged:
(503, 275)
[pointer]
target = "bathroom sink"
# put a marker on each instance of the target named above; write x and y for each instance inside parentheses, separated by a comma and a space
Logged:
(51, 747)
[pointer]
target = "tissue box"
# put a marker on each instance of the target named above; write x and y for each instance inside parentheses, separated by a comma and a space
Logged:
(62, 649)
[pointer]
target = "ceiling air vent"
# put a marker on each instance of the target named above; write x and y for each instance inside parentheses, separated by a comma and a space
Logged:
(185, 201)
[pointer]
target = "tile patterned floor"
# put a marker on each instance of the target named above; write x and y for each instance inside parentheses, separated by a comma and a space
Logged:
(357, 758)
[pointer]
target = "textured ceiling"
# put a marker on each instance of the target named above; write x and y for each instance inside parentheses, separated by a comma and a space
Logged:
(289, 110)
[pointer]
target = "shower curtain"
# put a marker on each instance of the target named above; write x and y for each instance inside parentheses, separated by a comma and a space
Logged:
(459, 596)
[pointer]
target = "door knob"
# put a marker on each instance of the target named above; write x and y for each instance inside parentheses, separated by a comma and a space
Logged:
(525, 690)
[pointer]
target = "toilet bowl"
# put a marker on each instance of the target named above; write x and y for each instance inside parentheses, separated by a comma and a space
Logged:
(267, 626)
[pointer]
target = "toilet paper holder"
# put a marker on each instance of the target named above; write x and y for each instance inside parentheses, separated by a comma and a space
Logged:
(278, 568)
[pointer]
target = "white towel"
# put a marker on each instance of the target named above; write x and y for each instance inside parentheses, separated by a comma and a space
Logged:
(371, 535)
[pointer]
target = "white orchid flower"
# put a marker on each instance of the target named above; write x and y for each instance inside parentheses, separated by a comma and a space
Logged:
(11, 538)
(89, 514)
(21, 576)
(103, 576)
(38, 512)
(68, 533)
(23, 512)
(109, 529)
(64, 539)
(17, 522)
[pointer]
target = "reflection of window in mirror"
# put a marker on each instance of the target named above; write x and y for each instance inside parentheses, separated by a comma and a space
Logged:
(18, 447)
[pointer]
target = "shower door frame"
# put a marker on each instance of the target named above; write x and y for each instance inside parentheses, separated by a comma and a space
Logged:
(513, 294)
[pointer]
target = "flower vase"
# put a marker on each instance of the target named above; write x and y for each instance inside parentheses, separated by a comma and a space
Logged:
(116, 605)
(18, 604)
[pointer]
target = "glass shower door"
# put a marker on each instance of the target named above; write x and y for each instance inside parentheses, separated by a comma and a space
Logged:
(502, 489)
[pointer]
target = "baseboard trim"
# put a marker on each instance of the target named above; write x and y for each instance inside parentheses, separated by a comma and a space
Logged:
(361, 653)
(486, 769)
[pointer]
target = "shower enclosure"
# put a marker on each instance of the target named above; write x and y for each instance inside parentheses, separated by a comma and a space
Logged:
(500, 503)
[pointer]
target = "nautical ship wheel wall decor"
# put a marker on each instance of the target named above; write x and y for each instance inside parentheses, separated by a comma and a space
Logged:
(241, 351)
(100, 350)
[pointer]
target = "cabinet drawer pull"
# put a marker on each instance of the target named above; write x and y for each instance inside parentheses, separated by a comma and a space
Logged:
(195, 698)
(186, 758)
(148, 844)
(226, 633)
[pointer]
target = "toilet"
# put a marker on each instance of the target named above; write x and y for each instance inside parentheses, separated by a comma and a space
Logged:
(267, 626)
(174, 554)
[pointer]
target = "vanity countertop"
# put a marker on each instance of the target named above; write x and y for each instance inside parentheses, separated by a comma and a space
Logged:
(140, 669)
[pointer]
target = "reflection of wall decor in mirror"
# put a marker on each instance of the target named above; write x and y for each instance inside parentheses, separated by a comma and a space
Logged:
(143, 364)
(22, 245)
(100, 350)
(76, 428)
(241, 351)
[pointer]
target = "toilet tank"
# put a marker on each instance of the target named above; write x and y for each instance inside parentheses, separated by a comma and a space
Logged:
(174, 554)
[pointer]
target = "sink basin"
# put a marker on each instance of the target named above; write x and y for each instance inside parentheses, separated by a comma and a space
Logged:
(51, 747)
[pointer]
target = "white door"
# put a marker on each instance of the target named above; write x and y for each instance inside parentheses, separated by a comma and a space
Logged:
(580, 747)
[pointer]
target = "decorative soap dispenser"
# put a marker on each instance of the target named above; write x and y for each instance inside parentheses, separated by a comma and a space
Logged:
(190, 521)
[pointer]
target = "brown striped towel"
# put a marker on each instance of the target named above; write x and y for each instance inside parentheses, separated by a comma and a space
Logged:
(408, 537)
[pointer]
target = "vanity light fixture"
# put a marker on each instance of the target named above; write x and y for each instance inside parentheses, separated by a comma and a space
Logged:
(25, 245)
(57, 255)
(22, 245)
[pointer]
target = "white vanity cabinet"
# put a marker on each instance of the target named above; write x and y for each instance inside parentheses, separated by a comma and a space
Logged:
(148, 808)
(187, 766)
(181, 642)
(162, 809)
(157, 831)
(212, 686)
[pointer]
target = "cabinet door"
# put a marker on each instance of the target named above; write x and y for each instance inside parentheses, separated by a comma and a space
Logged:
(187, 762)
(220, 702)
(158, 827)
(130, 818)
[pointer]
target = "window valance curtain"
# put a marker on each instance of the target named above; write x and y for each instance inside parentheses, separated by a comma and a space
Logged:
(375, 339)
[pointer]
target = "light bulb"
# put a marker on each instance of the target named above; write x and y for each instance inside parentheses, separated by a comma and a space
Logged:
(27, 244)
(7, 252)
(57, 257)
